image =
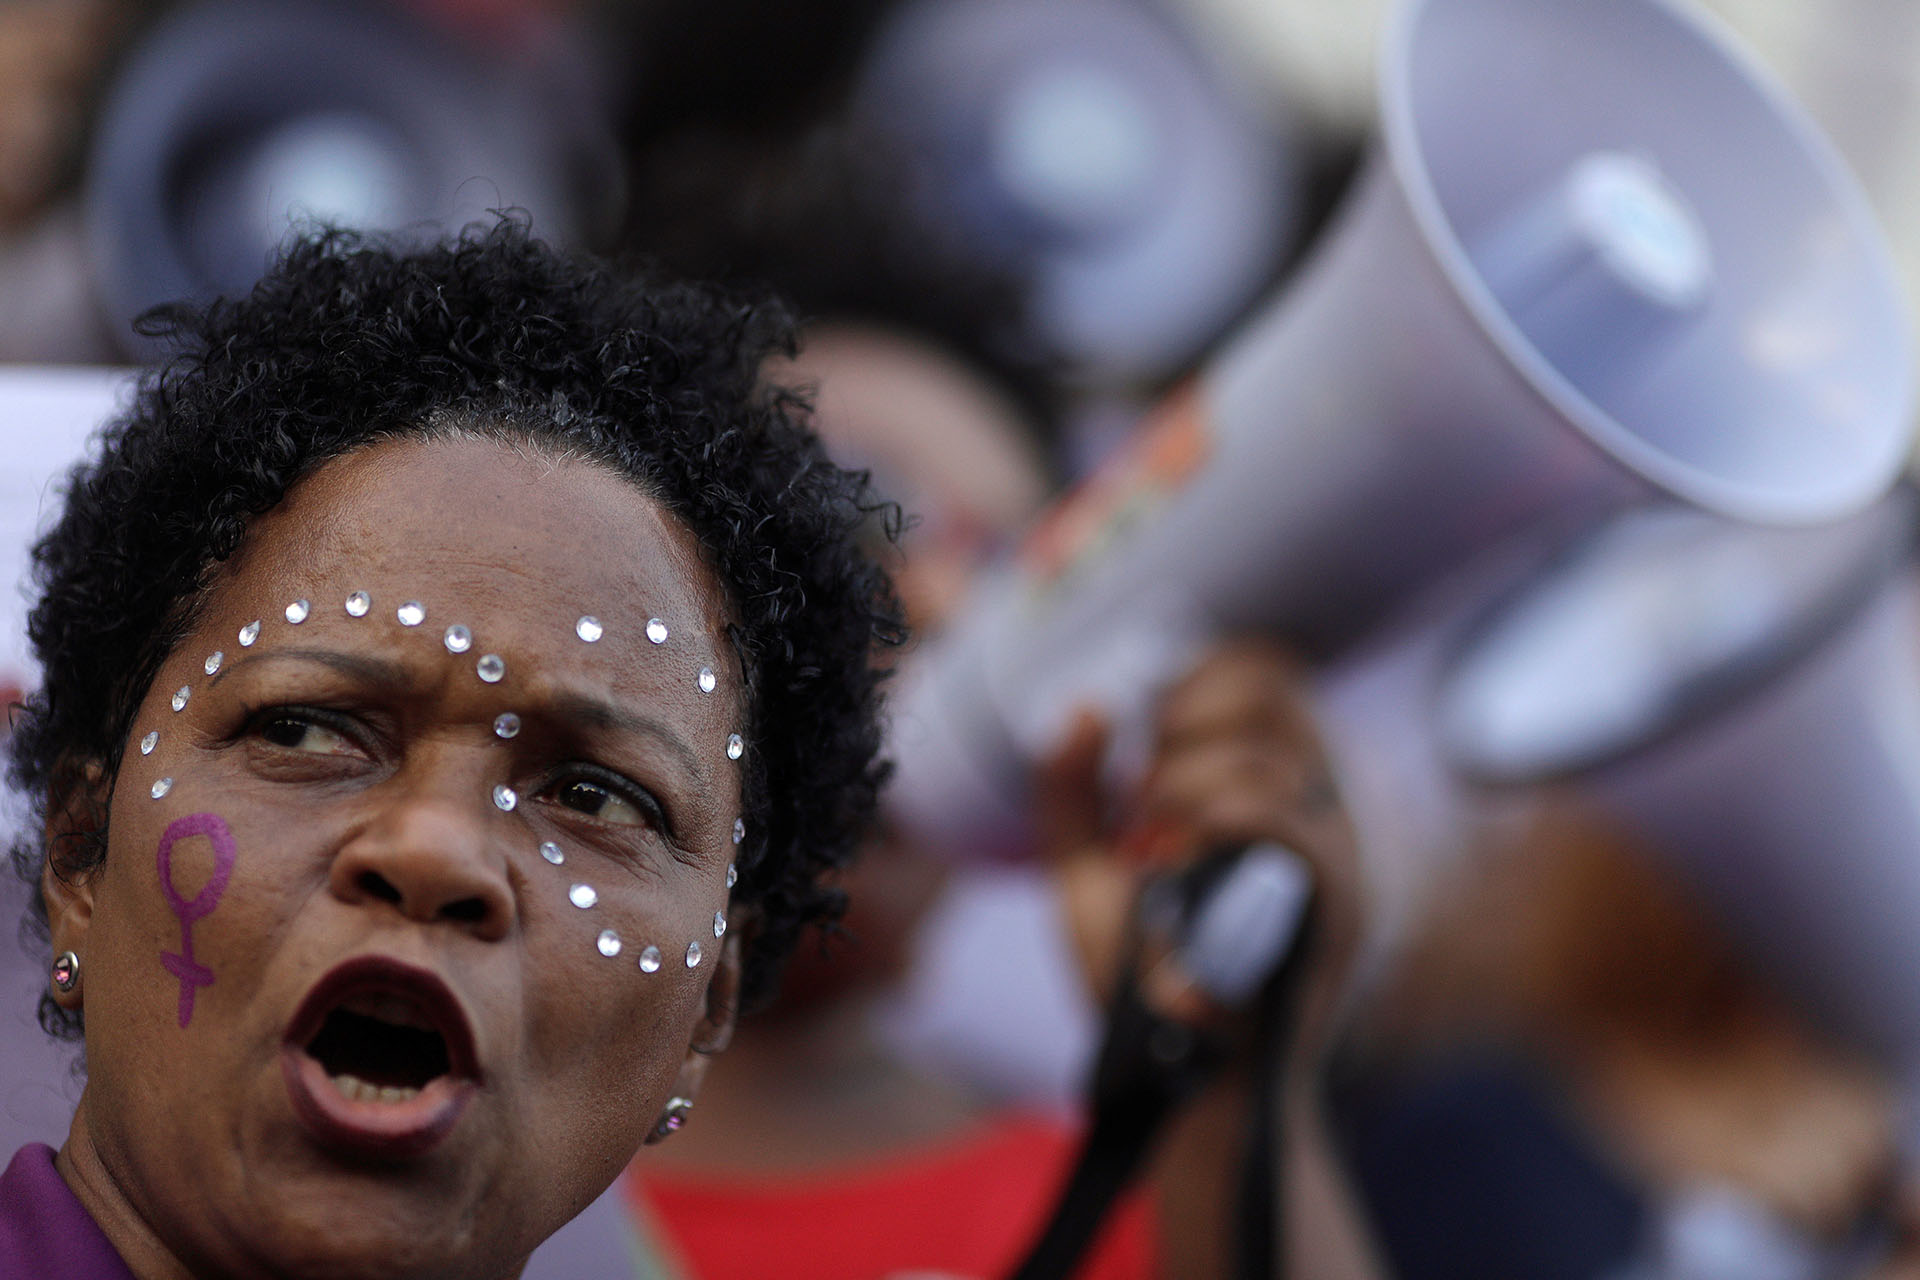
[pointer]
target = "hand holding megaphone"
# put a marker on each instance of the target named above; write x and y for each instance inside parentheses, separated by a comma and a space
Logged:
(1217, 908)
(1235, 761)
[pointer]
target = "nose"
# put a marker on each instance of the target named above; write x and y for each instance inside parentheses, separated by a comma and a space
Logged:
(429, 857)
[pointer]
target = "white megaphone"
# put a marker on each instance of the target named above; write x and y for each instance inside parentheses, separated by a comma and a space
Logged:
(1650, 631)
(1595, 257)
(1748, 702)
(1573, 662)
(1797, 822)
(1700, 681)
(1794, 813)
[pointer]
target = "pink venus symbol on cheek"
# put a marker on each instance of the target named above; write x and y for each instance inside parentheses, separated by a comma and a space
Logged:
(192, 974)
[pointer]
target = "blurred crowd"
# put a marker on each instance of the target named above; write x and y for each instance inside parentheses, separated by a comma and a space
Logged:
(1012, 229)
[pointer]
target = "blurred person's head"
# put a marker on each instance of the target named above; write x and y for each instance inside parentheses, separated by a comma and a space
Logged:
(945, 441)
(907, 349)
(51, 51)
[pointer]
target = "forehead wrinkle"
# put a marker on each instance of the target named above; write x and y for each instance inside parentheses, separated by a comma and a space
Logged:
(508, 527)
(571, 705)
(568, 705)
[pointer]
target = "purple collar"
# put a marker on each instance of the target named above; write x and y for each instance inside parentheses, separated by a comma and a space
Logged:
(44, 1233)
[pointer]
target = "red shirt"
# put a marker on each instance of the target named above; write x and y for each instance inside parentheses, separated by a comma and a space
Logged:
(970, 1207)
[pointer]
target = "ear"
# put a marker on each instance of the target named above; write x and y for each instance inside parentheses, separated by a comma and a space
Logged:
(76, 819)
(714, 1031)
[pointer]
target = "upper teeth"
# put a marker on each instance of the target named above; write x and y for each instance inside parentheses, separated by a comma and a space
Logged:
(354, 1089)
(398, 1010)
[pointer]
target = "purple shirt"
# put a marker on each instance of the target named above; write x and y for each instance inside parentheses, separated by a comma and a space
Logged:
(44, 1233)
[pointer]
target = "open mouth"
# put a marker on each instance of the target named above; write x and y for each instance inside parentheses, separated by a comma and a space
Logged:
(379, 1048)
(380, 1058)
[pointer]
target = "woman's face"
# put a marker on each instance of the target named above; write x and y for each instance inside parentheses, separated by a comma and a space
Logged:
(349, 1000)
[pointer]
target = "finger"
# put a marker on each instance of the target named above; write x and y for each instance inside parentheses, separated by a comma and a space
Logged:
(1236, 793)
(1244, 687)
(1067, 802)
(1096, 898)
(1155, 842)
(1288, 787)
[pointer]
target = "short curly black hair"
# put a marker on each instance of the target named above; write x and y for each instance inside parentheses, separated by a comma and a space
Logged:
(351, 339)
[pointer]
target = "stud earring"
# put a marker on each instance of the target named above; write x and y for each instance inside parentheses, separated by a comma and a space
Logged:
(671, 1119)
(66, 971)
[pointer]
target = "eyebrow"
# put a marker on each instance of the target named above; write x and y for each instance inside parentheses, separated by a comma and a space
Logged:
(601, 714)
(373, 670)
(597, 713)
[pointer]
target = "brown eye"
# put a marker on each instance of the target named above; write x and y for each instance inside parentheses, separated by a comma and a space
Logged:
(597, 801)
(299, 733)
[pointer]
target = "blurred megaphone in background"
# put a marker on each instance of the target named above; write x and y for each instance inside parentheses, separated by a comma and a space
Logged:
(1745, 699)
(1789, 801)
(233, 119)
(1594, 259)
(1087, 142)
(1651, 628)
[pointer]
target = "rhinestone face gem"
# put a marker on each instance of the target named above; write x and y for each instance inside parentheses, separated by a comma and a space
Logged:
(504, 799)
(297, 611)
(582, 896)
(161, 787)
(411, 614)
(589, 628)
(656, 631)
(492, 668)
(148, 743)
(733, 875)
(506, 725)
(649, 959)
(249, 633)
(736, 746)
(214, 659)
(458, 639)
(739, 830)
(551, 852)
(719, 924)
(180, 698)
(358, 603)
(706, 680)
(693, 954)
(609, 943)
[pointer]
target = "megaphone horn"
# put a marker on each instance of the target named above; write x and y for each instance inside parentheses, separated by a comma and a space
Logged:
(1594, 258)
(1746, 700)
(1797, 822)
(233, 121)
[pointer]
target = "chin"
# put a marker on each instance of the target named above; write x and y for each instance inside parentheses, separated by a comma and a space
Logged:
(335, 1250)
(327, 1221)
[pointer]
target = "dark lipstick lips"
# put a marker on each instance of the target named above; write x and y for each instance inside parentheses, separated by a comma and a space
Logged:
(380, 1129)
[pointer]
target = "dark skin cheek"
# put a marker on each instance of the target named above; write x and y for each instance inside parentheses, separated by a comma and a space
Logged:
(192, 974)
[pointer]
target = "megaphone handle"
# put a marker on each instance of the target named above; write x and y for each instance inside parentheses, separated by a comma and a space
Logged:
(1127, 1115)
(1151, 1063)
(1260, 1223)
